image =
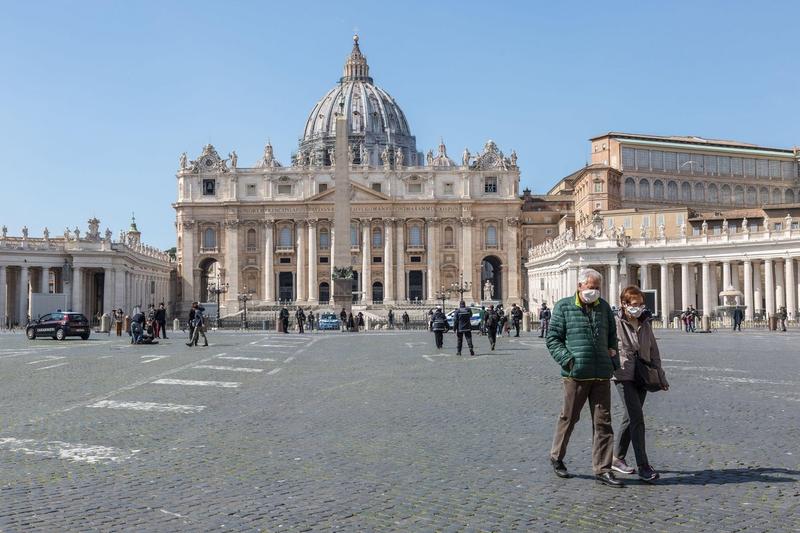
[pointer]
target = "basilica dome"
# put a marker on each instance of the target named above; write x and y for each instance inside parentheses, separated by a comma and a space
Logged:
(374, 119)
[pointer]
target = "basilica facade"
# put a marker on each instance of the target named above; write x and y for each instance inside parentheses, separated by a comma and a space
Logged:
(424, 224)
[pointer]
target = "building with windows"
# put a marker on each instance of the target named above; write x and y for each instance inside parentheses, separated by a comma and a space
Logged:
(684, 217)
(421, 222)
(88, 273)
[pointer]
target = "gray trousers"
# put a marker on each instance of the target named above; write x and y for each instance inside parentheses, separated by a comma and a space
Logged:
(632, 428)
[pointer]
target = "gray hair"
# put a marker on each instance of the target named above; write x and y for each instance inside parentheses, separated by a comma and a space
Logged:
(587, 273)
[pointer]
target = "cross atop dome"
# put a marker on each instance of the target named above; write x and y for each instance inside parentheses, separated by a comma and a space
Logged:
(355, 67)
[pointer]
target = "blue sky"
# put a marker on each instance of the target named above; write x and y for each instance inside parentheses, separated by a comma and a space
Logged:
(98, 99)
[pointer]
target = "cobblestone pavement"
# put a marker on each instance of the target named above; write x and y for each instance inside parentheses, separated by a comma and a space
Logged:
(380, 431)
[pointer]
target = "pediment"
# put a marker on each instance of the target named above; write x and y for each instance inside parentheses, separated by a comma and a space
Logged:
(358, 193)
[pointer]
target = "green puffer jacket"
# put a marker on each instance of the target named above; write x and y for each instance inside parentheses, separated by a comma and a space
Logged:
(583, 336)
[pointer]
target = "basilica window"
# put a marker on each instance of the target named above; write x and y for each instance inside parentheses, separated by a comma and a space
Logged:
(763, 195)
(658, 190)
(736, 166)
(414, 188)
(598, 186)
(644, 189)
(724, 166)
(738, 195)
(630, 188)
(491, 236)
(251, 240)
(209, 239)
(776, 196)
(643, 159)
(762, 168)
(285, 237)
(209, 187)
(670, 161)
(353, 235)
(324, 239)
(713, 194)
(322, 187)
(251, 189)
(686, 191)
(750, 168)
(377, 237)
(284, 189)
(751, 196)
(449, 240)
(789, 196)
(725, 194)
(672, 191)
(710, 164)
(415, 236)
(448, 188)
(376, 187)
(699, 192)
(490, 184)
(628, 158)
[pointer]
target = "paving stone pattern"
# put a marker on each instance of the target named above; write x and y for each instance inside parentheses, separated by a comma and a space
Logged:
(381, 431)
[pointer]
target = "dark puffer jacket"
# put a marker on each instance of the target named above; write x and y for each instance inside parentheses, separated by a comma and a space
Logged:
(583, 335)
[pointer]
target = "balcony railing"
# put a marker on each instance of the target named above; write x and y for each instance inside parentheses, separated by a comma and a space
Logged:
(252, 248)
(284, 249)
(209, 250)
(415, 247)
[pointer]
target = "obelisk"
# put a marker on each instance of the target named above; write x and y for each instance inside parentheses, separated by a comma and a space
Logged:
(342, 286)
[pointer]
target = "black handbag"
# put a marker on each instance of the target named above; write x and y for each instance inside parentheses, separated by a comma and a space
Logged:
(646, 375)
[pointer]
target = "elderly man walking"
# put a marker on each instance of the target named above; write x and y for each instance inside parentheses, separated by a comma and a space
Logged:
(583, 341)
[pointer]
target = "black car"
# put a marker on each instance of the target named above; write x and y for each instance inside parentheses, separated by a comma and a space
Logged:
(59, 326)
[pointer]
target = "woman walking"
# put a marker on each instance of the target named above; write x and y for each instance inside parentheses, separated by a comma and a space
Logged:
(636, 339)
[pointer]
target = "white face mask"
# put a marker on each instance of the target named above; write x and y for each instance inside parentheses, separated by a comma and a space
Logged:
(590, 295)
(635, 311)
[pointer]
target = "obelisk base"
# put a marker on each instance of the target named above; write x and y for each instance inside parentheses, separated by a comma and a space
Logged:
(343, 294)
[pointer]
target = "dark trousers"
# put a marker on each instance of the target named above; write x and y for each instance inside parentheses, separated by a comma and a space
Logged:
(737, 325)
(285, 325)
(156, 329)
(516, 327)
(544, 325)
(162, 327)
(492, 334)
(632, 428)
(461, 335)
(598, 392)
(300, 325)
(439, 336)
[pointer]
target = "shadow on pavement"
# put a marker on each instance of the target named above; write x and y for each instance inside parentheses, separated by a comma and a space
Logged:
(726, 476)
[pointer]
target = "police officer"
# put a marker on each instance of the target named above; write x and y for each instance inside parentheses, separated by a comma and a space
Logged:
(491, 320)
(462, 323)
(516, 318)
(439, 327)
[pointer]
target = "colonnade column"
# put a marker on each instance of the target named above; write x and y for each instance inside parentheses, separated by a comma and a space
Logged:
(780, 293)
(401, 261)
(430, 252)
(44, 280)
(300, 276)
(24, 289)
(685, 286)
(108, 289)
(269, 263)
(613, 283)
(757, 294)
(187, 265)
(77, 289)
(769, 288)
(791, 297)
(366, 261)
(3, 293)
(512, 284)
(231, 258)
(706, 289)
(388, 261)
(726, 275)
(312, 262)
(748, 289)
(330, 259)
(665, 294)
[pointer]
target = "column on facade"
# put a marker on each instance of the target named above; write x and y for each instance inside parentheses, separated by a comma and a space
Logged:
(331, 253)
(388, 261)
(613, 283)
(187, 265)
(758, 294)
(512, 249)
(401, 261)
(108, 289)
(366, 261)
(769, 288)
(644, 275)
(665, 310)
(24, 289)
(313, 286)
(736, 282)
(726, 275)
(466, 255)
(685, 286)
(232, 258)
(748, 289)
(672, 288)
(430, 253)
(269, 263)
(706, 288)
(791, 296)
(3, 296)
(714, 287)
(780, 285)
(301, 254)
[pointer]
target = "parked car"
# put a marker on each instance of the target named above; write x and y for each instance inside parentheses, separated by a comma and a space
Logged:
(59, 326)
(328, 320)
(474, 321)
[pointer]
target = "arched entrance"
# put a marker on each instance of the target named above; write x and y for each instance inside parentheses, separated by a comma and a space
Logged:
(491, 270)
(415, 287)
(324, 292)
(209, 279)
(377, 292)
(286, 286)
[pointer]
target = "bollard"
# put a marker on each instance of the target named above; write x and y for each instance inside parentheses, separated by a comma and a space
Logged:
(526, 321)
(705, 323)
(676, 322)
(105, 323)
(176, 325)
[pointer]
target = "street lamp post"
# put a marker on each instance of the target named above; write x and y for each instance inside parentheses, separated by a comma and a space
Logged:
(442, 294)
(461, 287)
(243, 301)
(217, 290)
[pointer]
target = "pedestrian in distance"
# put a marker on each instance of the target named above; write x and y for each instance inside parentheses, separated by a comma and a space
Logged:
(137, 327)
(583, 341)
(406, 319)
(198, 326)
(439, 327)
(161, 321)
(390, 319)
(462, 323)
(516, 318)
(738, 317)
(544, 320)
(343, 318)
(636, 340)
(118, 317)
(782, 316)
(192, 311)
(360, 321)
(351, 322)
(310, 320)
(482, 323)
(491, 319)
(300, 317)
(283, 316)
